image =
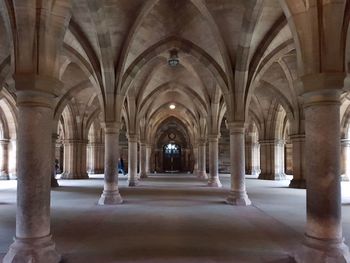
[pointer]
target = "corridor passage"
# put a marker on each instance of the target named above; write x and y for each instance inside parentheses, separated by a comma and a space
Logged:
(170, 218)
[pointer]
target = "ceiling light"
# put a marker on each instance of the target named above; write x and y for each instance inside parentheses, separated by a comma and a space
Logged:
(172, 106)
(173, 60)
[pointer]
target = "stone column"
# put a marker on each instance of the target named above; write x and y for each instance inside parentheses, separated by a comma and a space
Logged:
(59, 154)
(288, 157)
(195, 157)
(4, 166)
(248, 156)
(148, 158)
(187, 162)
(298, 142)
(100, 167)
(201, 160)
(132, 162)
(272, 160)
(256, 159)
(252, 164)
(54, 182)
(143, 157)
(323, 237)
(238, 194)
(96, 158)
(33, 241)
(111, 195)
(214, 180)
(345, 159)
(75, 159)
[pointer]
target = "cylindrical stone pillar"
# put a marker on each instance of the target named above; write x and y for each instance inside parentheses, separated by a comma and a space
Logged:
(111, 195)
(96, 153)
(298, 142)
(345, 159)
(54, 182)
(132, 162)
(100, 163)
(288, 157)
(272, 160)
(323, 238)
(249, 156)
(201, 160)
(59, 155)
(214, 180)
(195, 159)
(238, 194)
(252, 164)
(4, 165)
(75, 159)
(148, 158)
(33, 241)
(256, 159)
(143, 157)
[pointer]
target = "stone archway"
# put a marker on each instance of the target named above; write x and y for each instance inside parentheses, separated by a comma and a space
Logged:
(171, 133)
(172, 158)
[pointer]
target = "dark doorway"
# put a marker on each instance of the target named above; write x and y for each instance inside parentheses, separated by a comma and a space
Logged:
(171, 158)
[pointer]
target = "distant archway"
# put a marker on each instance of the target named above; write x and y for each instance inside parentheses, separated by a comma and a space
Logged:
(172, 151)
(172, 158)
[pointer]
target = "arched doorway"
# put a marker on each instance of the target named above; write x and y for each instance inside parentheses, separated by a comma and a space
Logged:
(172, 158)
(172, 151)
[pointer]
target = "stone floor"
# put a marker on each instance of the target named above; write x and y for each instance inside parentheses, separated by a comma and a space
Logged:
(172, 218)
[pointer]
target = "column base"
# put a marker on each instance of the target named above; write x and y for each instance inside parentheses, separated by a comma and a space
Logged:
(214, 182)
(110, 198)
(238, 198)
(4, 176)
(133, 183)
(256, 172)
(344, 178)
(275, 177)
(202, 175)
(97, 171)
(323, 251)
(54, 182)
(28, 250)
(72, 176)
(13, 176)
(143, 175)
(298, 183)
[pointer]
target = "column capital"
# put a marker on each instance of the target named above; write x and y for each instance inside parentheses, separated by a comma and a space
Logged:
(322, 97)
(271, 142)
(96, 144)
(142, 142)
(322, 81)
(201, 141)
(54, 137)
(75, 141)
(236, 127)
(112, 127)
(345, 142)
(132, 137)
(34, 98)
(36, 90)
(37, 83)
(213, 137)
(297, 137)
(4, 141)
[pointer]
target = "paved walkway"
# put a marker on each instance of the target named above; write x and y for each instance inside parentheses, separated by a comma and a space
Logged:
(171, 218)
